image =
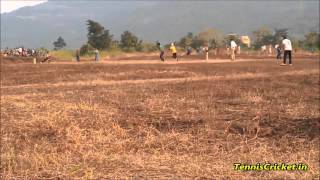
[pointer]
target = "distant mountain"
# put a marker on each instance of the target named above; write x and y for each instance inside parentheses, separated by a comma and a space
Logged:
(40, 25)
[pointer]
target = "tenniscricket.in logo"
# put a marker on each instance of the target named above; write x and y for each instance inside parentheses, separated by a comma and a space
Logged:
(270, 167)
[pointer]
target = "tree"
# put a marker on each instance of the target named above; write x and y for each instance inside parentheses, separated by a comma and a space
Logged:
(186, 41)
(149, 47)
(312, 40)
(130, 42)
(211, 37)
(261, 37)
(98, 36)
(86, 49)
(197, 42)
(59, 43)
(228, 38)
(268, 39)
(278, 34)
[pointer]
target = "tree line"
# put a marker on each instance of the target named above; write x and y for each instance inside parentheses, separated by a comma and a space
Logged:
(100, 38)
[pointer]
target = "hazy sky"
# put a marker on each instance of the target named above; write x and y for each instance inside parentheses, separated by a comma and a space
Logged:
(11, 5)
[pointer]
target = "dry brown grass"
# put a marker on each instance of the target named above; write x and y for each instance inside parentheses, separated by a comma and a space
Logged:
(74, 121)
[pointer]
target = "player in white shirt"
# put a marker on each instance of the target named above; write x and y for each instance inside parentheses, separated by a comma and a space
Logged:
(233, 46)
(287, 47)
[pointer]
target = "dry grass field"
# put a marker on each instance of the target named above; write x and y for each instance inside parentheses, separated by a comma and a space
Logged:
(158, 120)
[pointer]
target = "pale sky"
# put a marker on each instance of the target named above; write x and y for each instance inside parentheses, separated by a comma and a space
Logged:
(11, 5)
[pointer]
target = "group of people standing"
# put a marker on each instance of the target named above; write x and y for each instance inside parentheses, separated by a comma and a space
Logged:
(173, 50)
(21, 52)
(41, 54)
(286, 46)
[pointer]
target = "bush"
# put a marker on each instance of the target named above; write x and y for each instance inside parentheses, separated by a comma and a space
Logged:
(130, 43)
(149, 47)
(86, 49)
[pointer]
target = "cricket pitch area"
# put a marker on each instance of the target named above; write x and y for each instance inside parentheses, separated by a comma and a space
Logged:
(141, 120)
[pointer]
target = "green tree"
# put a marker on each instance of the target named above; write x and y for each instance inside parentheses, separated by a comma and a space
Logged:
(261, 36)
(295, 44)
(212, 37)
(114, 45)
(268, 39)
(197, 42)
(227, 39)
(98, 36)
(86, 49)
(129, 42)
(149, 47)
(278, 34)
(186, 41)
(312, 40)
(59, 43)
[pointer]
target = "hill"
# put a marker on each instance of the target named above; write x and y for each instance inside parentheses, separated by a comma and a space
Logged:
(157, 20)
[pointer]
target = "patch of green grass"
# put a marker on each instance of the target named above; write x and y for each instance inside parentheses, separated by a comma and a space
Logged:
(63, 54)
(112, 53)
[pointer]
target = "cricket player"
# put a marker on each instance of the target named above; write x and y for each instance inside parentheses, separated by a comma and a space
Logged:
(174, 51)
(161, 48)
(233, 46)
(286, 43)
